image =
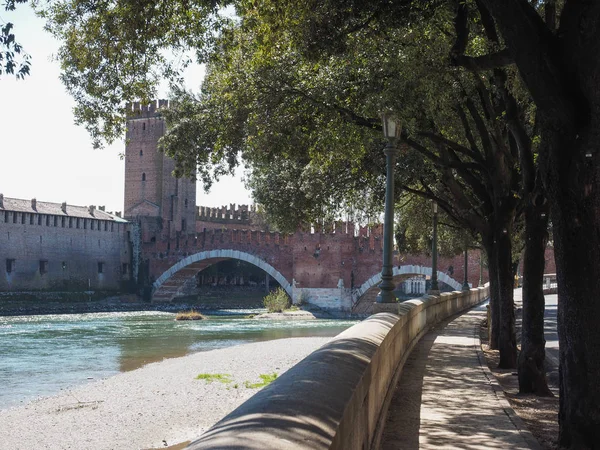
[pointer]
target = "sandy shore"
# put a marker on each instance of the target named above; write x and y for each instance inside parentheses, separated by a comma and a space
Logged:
(160, 404)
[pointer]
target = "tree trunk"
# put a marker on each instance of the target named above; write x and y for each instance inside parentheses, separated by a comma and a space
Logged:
(507, 340)
(561, 73)
(532, 376)
(572, 167)
(494, 325)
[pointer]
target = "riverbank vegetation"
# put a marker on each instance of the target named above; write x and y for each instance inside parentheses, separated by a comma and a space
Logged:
(210, 377)
(225, 378)
(277, 301)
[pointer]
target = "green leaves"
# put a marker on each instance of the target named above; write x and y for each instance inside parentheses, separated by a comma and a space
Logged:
(118, 51)
(13, 59)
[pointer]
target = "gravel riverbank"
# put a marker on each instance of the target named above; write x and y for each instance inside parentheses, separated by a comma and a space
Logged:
(158, 405)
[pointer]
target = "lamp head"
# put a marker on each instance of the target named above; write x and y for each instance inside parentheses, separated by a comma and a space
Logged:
(391, 126)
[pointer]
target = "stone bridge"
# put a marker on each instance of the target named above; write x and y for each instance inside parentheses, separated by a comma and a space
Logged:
(334, 270)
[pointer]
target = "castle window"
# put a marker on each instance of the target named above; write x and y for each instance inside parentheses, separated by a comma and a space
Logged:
(144, 176)
(5, 216)
(105, 225)
(182, 224)
(62, 221)
(84, 224)
(64, 265)
(70, 222)
(23, 218)
(112, 226)
(144, 126)
(15, 217)
(55, 221)
(186, 202)
(47, 221)
(141, 153)
(30, 219)
(100, 267)
(78, 222)
(124, 269)
(10, 265)
(43, 266)
(39, 219)
(91, 224)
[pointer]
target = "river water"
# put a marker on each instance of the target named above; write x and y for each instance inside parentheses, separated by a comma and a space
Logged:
(40, 355)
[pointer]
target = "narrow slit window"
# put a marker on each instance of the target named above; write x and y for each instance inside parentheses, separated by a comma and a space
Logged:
(144, 176)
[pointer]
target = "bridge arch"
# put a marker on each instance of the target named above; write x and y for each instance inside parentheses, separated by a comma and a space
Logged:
(222, 255)
(406, 270)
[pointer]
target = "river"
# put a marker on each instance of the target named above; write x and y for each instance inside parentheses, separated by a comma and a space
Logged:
(40, 355)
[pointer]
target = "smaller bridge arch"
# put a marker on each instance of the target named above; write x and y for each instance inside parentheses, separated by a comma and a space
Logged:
(193, 263)
(406, 270)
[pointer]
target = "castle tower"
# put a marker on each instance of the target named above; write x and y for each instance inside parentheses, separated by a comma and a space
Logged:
(152, 194)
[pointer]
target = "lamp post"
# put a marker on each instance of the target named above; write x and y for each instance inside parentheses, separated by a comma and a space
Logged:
(480, 268)
(434, 289)
(465, 285)
(391, 130)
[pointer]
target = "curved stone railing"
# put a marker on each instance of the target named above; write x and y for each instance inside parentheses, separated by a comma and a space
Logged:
(337, 397)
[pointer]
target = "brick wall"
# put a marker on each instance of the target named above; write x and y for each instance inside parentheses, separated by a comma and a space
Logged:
(80, 249)
(150, 188)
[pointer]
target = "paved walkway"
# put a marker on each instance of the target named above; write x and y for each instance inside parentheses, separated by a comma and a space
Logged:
(446, 397)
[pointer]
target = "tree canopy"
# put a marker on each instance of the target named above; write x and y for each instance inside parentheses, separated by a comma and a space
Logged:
(13, 59)
(294, 90)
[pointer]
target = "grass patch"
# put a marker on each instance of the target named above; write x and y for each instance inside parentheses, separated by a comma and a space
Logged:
(266, 379)
(210, 377)
(189, 315)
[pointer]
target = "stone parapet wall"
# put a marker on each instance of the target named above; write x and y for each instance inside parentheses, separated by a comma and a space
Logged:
(338, 299)
(337, 397)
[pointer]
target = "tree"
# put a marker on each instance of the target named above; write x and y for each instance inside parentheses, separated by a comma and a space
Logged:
(297, 119)
(559, 65)
(553, 65)
(13, 60)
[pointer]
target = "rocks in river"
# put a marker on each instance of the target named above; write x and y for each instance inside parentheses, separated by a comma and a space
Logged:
(189, 315)
(287, 315)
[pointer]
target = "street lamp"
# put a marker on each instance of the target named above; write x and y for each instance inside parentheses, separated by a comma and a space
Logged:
(391, 130)
(465, 285)
(434, 289)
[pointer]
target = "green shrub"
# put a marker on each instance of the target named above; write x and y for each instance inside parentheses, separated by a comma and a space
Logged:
(277, 300)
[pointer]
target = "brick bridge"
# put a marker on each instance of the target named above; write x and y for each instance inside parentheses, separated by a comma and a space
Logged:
(337, 270)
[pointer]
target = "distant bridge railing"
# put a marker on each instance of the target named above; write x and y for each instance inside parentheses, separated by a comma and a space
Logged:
(550, 284)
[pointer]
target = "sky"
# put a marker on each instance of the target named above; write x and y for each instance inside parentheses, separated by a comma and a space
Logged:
(43, 154)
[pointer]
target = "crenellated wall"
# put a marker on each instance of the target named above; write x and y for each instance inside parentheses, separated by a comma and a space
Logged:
(329, 267)
(60, 247)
